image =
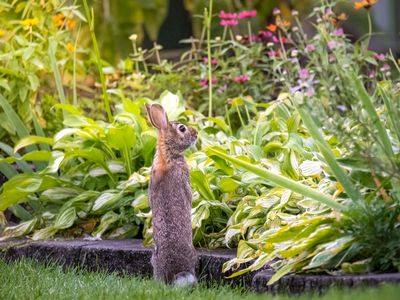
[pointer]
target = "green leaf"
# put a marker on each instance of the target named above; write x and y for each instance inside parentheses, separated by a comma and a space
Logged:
(32, 140)
(228, 185)
(21, 229)
(200, 183)
(121, 136)
(65, 219)
(106, 201)
(172, 104)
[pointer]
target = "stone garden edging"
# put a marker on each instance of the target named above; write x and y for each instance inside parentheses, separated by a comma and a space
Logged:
(131, 257)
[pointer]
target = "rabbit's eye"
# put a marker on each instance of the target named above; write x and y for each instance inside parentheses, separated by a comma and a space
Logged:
(182, 128)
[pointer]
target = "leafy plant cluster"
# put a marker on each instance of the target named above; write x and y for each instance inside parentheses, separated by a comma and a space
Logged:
(34, 36)
(306, 182)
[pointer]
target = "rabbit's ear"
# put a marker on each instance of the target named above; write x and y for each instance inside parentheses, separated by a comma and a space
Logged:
(157, 115)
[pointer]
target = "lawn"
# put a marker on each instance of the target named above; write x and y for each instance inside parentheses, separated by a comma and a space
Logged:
(27, 279)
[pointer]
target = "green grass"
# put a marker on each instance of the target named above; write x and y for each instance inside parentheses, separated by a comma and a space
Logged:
(27, 279)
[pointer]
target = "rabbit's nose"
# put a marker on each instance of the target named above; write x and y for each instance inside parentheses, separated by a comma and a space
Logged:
(194, 133)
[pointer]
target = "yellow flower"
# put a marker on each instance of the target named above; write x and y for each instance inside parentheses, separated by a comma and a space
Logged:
(70, 47)
(2, 33)
(30, 22)
(71, 24)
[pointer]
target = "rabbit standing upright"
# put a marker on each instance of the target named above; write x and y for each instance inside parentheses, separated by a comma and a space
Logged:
(174, 257)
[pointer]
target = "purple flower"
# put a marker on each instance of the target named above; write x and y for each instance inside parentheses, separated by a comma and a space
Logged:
(338, 32)
(247, 14)
(230, 22)
(379, 56)
(241, 79)
(310, 48)
(225, 15)
(332, 45)
(303, 74)
(305, 86)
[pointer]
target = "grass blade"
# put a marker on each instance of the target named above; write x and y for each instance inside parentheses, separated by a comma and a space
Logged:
(366, 100)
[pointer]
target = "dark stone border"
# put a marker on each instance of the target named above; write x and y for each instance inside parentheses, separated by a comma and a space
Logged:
(303, 283)
(130, 257)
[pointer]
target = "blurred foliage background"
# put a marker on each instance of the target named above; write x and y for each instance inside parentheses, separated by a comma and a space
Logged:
(170, 21)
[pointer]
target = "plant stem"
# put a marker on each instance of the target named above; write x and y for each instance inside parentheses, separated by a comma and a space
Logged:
(210, 84)
(369, 28)
(90, 20)
(250, 32)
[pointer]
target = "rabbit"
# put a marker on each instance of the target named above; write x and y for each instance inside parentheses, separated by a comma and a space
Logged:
(174, 256)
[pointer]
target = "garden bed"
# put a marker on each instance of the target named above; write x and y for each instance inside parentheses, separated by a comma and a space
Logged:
(130, 257)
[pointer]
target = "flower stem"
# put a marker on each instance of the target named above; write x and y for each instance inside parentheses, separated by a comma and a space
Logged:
(89, 16)
(369, 28)
(210, 84)
(250, 32)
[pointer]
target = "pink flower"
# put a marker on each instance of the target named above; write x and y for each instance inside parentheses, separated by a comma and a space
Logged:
(204, 82)
(328, 11)
(310, 48)
(276, 11)
(225, 15)
(379, 56)
(385, 68)
(338, 32)
(231, 22)
(247, 14)
(277, 40)
(265, 34)
(303, 74)
(332, 45)
(273, 54)
(241, 79)
(213, 60)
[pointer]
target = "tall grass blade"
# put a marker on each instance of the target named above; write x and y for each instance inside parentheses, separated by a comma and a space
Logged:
(53, 62)
(366, 100)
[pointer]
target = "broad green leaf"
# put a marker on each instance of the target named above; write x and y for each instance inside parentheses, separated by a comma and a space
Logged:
(173, 105)
(200, 183)
(121, 136)
(106, 201)
(228, 185)
(21, 229)
(65, 219)
(32, 140)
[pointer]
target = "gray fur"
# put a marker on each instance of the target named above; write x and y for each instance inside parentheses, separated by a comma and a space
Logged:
(174, 257)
